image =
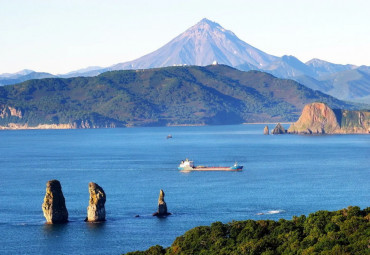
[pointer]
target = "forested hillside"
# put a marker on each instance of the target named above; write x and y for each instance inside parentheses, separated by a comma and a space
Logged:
(214, 94)
(346, 231)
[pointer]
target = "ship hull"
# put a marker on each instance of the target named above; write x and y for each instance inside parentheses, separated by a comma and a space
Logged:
(197, 168)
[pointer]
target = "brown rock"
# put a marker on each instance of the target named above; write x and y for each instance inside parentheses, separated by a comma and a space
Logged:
(316, 118)
(8, 111)
(279, 129)
(54, 206)
(162, 207)
(266, 130)
(96, 208)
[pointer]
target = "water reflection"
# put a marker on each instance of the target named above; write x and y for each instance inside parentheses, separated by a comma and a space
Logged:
(51, 230)
(96, 227)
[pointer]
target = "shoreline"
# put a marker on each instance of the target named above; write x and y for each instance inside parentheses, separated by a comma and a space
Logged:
(14, 126)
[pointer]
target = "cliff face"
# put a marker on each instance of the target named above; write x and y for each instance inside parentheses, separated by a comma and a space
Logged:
(318, 118)
(8, 111)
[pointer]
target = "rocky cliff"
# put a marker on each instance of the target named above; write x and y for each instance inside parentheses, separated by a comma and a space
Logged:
(318, 118)
(8, 111)
(54, 206)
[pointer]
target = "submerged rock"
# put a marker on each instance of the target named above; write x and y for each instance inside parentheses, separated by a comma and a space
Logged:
(54, 206)
(96, 208)
(279, 129)
(162, 207)
(266, 130)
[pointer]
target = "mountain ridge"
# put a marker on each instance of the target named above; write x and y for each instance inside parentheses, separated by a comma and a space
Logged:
(210, 95)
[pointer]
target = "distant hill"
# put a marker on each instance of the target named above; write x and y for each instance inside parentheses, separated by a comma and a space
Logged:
(23, 76)
(288, 67)
(321, 67)
(85, 72)
(351, 84)
(15, 75)
(215, 94)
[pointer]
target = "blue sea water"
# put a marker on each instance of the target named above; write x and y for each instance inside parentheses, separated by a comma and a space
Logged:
(284, 175)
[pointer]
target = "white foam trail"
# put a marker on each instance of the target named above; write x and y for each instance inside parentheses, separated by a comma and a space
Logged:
(271, 212)
(275, 211)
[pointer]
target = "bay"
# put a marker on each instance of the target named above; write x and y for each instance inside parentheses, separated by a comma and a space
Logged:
(284, 175)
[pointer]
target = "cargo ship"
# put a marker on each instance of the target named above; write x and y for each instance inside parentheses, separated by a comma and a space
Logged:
(188, 165)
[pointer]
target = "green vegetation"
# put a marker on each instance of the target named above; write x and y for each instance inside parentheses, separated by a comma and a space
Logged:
(346, 231)
(172, 95)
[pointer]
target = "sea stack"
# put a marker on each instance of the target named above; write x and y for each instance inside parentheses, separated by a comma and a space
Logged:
(279, 129)
(162, 207)
(54, 206)
(266, 130)
(96, 208)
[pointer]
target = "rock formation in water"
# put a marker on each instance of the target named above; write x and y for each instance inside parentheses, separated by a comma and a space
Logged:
(96, 208)
(54, 206)
(266, 130)
(162, 207)
(279, 129)
(318, 118)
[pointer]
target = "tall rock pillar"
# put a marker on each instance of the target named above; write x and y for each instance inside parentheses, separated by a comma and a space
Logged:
(162, 207)
(96, 208)
(54, 206)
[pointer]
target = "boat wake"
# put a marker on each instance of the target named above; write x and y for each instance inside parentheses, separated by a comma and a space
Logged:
(271, 212)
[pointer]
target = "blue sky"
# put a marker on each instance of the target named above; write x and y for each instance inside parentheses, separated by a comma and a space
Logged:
(61, 36)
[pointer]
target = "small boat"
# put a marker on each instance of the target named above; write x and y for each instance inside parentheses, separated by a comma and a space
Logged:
(169, 136)
(188, 165)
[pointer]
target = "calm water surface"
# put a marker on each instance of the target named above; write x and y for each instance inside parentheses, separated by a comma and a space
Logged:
(283, 175)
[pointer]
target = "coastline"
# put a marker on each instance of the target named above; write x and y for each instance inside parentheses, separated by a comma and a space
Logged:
(268, 123)
(14, 126)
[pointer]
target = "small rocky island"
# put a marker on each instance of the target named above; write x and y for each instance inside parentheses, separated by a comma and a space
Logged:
(54, 206)
(162, 207)
(318, 118)
(96, 208)
(278, 130)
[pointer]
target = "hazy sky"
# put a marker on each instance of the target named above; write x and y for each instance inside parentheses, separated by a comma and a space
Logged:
(61, 36)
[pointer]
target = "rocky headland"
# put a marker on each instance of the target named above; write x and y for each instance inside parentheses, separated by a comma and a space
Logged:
(96, 208)
(319, 118)
(54, 206)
